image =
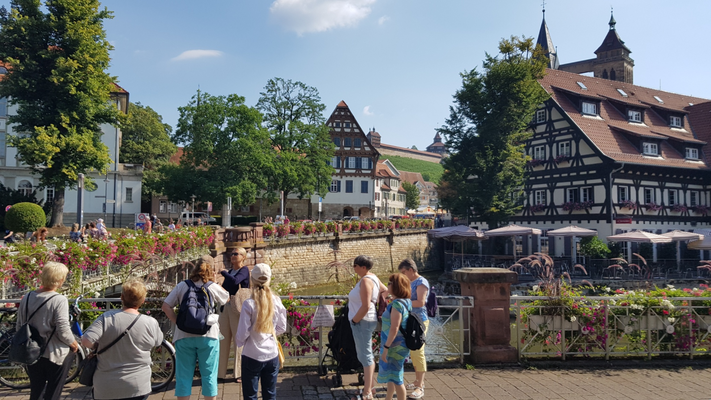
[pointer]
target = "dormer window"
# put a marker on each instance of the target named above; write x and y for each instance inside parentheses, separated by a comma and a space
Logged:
(634, 116)
(540, 116)
(589, 108)
(692, 153)
(675, 122)
(650, 149)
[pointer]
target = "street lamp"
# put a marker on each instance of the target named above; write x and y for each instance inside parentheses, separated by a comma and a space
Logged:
(106, 194)
(193, 197)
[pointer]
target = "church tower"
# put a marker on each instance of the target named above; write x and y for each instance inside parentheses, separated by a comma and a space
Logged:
(613, 60)
(546, 43)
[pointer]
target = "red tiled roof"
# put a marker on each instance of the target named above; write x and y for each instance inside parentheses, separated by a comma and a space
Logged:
(342, 104)
(411, 177)
(175, 158)
(383, 171)
(700, 118)
(609, 132)
(119, 88)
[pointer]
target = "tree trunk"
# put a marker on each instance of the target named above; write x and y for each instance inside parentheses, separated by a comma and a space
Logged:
(57, 208)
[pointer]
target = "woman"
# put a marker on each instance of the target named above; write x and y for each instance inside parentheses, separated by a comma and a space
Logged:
(263, 318)
(93, 231)
(74, 234)
(124, 369)
(171, 226)
(40, 236)
(393, 351)
(362, 314)
(236, 278)
(191, 348)
(419, 288)
(52, 322)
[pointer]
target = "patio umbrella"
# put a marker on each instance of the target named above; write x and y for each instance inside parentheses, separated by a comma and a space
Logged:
(680, 236)
(638, 237)
(456, 233)
(704, 243)
(572, 232)
(513, 231)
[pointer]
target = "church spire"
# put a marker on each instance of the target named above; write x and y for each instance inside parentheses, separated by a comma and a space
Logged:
(546, 43)
(612, 22)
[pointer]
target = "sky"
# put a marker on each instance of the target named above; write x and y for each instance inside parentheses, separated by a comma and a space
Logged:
(396, 63)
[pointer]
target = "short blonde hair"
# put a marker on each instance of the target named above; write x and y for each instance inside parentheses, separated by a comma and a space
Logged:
(133, 293)
(53, 274)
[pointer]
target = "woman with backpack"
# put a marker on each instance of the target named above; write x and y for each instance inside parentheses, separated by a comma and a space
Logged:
(393, 350)
(364, 319)
(263, 318)
(197, 331)
(235, 280)
(419, 288)
(48, 312)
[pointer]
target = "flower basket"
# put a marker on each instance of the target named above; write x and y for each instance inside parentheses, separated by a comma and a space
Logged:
(679, 208)
(628, 204)
(652, 207)
(562, 158)
(535, 163)
(551, 323)
(630, 323)
(703, 210)
(538, 208)
(574, 206)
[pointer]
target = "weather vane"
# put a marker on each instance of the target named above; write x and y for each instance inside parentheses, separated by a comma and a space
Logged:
(544, 5)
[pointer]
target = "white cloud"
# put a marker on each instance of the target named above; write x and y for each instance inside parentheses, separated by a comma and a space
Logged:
(303, 16)
(366, 111)
(193, 54)
(383, 19)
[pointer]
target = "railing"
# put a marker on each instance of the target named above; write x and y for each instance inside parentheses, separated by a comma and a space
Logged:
(448, 335)
(610, 327)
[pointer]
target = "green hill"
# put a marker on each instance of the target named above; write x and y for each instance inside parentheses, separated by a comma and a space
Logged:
(426, 168)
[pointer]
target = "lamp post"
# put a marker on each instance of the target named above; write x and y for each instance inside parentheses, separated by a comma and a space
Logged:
(193, 212)
(106, 193)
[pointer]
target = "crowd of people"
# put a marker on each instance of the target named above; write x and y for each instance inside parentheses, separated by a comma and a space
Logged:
(219, 312)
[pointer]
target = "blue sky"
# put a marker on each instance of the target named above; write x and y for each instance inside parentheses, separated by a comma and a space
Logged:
(396, 63)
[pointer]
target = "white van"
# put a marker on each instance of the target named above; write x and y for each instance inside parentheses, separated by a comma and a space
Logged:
(189, 218)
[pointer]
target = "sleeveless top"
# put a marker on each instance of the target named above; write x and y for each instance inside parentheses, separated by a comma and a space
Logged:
(354, 302)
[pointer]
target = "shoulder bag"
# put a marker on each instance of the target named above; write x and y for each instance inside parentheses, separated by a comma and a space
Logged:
(88, 367)
(242, 294)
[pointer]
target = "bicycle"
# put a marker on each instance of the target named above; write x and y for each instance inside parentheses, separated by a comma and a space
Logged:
(11, 374)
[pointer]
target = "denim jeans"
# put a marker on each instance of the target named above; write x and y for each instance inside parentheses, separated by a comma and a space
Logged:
(252, 371)
(363, 338)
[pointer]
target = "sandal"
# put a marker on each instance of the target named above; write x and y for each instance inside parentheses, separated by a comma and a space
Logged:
(417, 394)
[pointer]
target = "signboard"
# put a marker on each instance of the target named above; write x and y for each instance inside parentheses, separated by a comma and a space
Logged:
(320, 204)
(627, 220)
(141, 219)
(323, 317)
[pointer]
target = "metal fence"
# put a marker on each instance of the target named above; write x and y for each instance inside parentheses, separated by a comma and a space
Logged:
(609, 327)
(448, 335)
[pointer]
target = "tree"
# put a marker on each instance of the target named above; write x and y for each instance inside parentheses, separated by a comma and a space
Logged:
(593, 247)
(25, 217)
(226, 152)
(413, 147)
(56, 65)
(293, 114)
(488, 128)
(412, 197)
(146, 141)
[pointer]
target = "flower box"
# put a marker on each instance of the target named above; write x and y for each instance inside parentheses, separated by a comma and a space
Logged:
(629, 323)
(551, 323)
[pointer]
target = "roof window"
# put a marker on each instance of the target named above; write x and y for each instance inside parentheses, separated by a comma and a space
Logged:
(658, 99)
(622, 92)
(582, 85)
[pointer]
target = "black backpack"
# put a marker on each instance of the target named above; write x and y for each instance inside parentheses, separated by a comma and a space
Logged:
(27, 345)
(431, 304)
(196, 306)
(414, 332)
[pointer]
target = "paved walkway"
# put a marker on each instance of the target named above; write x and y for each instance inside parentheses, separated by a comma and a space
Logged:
(682, 383)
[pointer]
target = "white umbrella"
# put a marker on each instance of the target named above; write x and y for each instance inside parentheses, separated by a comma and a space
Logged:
(572, 231)
(681, 236)
(513, 231)
(639, 237)
(704, 243)
(456, 233)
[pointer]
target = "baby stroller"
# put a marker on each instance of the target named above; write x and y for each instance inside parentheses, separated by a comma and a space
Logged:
(341, 351)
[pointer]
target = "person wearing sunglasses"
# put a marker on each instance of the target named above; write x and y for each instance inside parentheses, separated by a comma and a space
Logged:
(234, 279)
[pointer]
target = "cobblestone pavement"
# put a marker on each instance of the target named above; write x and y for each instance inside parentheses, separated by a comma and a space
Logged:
(684, 383)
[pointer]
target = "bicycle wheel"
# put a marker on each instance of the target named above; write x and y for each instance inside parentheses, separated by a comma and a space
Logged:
(12, 374)
(162, 366)
(75, 369)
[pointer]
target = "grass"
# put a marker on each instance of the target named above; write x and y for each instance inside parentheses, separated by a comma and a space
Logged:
(426, 168)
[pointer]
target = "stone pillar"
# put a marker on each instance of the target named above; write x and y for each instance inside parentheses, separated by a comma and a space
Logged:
(489, 319)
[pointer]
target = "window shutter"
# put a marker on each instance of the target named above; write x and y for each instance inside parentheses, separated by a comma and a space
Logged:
(370, 161)
(338, 163)
(358, 163)
(338, 186)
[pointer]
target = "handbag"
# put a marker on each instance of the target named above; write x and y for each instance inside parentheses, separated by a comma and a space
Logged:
(242, 294)
(88, 367)
(281, 351)
(27, 346)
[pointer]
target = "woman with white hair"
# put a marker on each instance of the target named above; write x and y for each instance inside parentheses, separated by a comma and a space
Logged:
(263, 318)
(48, 312)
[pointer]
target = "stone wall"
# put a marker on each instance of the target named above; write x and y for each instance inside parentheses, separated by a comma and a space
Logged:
(306, 260)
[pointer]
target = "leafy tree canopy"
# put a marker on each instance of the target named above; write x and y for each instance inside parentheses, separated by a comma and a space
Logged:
(226, 152)
(57, 55)
(487, 129)
(412, 197)
(293, 114)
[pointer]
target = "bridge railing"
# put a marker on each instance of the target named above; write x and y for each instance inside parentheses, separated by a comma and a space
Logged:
(448, 335)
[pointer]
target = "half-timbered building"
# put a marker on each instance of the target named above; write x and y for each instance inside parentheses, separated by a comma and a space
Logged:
(613, 156)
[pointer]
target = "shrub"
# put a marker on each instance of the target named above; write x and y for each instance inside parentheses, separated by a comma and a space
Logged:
(25, 217)
(593, 247)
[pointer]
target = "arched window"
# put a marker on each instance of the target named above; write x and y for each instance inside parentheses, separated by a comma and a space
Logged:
(613, 76)
(25, 187)
(604, 74)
